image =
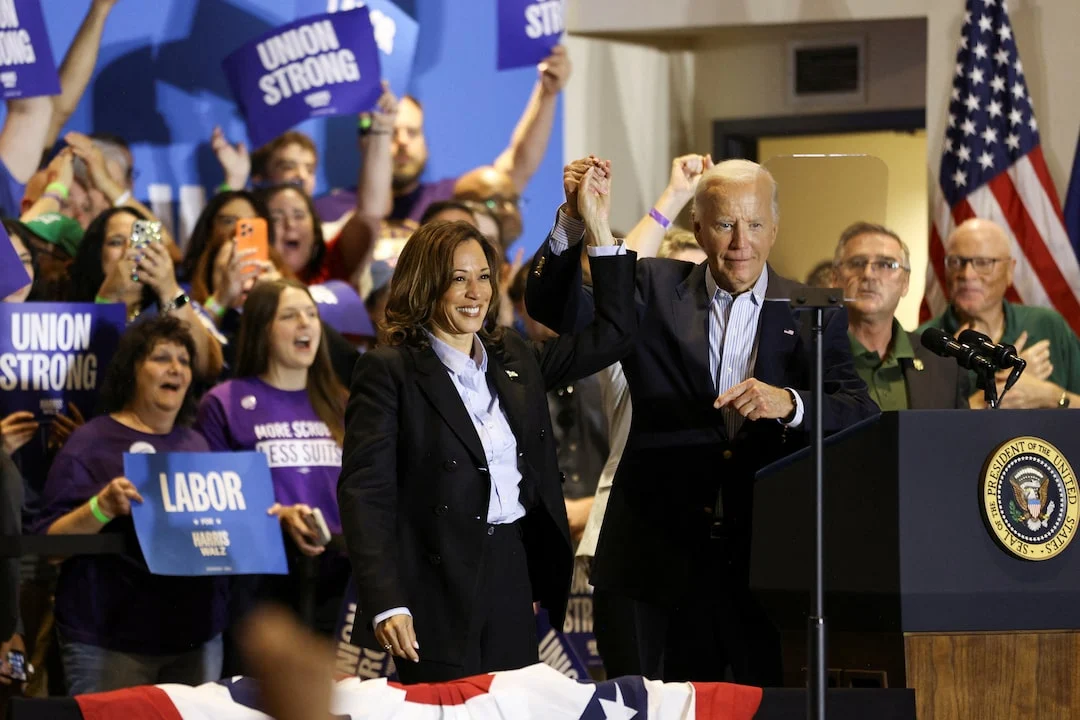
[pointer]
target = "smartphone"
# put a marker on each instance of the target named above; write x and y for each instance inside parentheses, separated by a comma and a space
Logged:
(252, 234)
(19, 668)
(144, 232)
(316, 522)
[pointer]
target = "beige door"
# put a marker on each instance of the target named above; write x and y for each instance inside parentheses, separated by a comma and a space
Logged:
(828, 182)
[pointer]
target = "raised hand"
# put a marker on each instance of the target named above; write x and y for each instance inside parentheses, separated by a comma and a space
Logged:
(122, 281)
(234, 159)
(572, 177)
(686, 171)
(155, 268)
(385, 113)
(235, 273)
(83, 148)
(554, 70)
(61, 168)
(594, 205)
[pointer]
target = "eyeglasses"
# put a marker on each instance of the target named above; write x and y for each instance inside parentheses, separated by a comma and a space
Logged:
(881, 266)
(982, 265)
(494, 202)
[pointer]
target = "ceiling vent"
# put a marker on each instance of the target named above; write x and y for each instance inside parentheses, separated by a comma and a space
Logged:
(825, 72)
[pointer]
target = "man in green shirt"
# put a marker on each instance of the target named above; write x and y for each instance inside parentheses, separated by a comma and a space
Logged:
(873, 266)
(978, 271)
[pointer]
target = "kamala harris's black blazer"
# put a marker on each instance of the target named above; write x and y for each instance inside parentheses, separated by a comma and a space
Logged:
(414, 481)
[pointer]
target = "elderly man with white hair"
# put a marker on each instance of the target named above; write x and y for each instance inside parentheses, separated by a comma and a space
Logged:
(720, 377)
(978, 272)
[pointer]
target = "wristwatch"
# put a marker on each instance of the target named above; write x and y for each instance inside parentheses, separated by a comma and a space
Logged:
(1063, 402)
(175, 304)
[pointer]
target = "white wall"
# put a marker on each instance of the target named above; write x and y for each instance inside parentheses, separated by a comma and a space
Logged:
(618, 107)
(634, 87)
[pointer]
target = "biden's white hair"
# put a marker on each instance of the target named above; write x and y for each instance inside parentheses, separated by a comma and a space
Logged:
(738, 171)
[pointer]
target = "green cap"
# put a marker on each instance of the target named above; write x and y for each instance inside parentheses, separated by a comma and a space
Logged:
(60, 230)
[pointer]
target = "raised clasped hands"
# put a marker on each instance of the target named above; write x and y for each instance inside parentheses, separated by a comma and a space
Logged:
(594, 205)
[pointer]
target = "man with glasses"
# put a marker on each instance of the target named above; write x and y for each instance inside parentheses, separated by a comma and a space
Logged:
(979, 271)
(873, 266)
(494, 189)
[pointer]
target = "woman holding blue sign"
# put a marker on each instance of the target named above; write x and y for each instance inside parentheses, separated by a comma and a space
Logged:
(118, 625)
(450, 495)
(287, 403)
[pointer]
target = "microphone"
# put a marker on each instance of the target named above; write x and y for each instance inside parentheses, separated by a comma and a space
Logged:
(1003, 356)
(941, 343)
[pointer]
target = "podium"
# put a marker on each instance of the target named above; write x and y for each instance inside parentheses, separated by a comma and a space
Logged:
(919, 593)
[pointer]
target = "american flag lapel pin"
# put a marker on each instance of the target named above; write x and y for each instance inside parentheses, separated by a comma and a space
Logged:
(789, 331)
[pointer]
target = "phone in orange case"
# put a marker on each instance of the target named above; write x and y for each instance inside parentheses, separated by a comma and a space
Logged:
(251, 233)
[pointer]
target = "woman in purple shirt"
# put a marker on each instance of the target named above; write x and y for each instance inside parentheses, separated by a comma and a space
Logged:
(287, 403)
(118, 625)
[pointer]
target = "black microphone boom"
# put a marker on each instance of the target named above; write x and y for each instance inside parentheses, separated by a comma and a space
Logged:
(1003, 356)
(941, 343)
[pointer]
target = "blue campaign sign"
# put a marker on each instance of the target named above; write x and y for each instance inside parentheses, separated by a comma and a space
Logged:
(341, 308)
(55, 353)
(13, 276)
(26, 61)
(528, 30)
(205, 513)
(556, 649)
(319, 66)
(395, 34)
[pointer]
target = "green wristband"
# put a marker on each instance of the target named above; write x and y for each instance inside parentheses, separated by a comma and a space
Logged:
(214, 307)
(96, 511)
(59, 188)
(103, 301)
(224, 187)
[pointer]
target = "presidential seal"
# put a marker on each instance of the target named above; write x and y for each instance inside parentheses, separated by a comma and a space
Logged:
(1029, 498)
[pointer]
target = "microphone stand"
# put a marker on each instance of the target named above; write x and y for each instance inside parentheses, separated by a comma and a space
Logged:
(988, 376)
(817, 300)
(990, 393)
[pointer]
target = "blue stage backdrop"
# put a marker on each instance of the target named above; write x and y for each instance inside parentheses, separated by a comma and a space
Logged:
(159, 84)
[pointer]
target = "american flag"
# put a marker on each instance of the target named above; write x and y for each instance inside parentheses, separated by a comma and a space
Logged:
(992, 167)
(537, 692)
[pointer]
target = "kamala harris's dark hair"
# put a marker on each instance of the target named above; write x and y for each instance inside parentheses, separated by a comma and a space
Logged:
(136, 344)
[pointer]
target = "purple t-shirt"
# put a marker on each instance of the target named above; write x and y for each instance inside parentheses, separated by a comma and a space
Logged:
(406, 207)
(113, 601)
(305, 460)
